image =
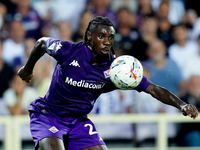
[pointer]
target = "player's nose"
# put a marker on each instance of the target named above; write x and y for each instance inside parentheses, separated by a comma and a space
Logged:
(106, 42)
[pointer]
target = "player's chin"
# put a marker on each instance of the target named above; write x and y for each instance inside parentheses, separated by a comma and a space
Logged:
(103, 55)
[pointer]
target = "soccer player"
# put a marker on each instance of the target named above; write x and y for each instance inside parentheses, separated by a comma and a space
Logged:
(59, 120)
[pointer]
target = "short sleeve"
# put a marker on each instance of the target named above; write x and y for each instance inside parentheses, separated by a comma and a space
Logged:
(143, 84)
(60, 50)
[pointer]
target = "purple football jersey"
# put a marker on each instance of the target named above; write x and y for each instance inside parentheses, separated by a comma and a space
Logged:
(76, 83)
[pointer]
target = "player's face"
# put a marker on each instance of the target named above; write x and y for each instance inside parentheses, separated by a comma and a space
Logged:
(102, 39)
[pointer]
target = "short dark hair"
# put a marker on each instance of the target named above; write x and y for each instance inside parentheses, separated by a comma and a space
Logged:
(94, 24)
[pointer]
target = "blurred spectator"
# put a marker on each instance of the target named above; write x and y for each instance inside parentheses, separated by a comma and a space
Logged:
(144, 11)
(61, 10)
(126, 32)
(163, 10)
(3, 30)
(17, 99)
(155, 4)
(45, 9)
(86, 17)
(100, 8)
(175, 9)
(13, 48)
(61, 30)
(65, 31)
(165, 31)
(72, 13)
(183, 49)
(29, 44)
(132, 5)
(160, 66)
(34, 1)
(192, 5)
(192, 23)
(42, 75)
(115, 102)
(148, 32)
(3, 12)
(149, 29)
(6, 74)
(189, 134)
(10, 6)
(191, 65)
(41, 80)
(32, 23)
(19, 96)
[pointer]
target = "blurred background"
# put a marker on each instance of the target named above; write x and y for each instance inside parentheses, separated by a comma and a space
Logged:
(163, 34)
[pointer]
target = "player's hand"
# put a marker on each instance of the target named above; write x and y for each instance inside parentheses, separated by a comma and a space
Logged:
(189, 110)
(24, 75)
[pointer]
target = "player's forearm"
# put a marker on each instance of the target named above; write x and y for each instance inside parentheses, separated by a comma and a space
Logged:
(37, 52)
(167, 97)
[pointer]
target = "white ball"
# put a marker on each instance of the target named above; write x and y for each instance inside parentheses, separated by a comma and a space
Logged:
(126, 72)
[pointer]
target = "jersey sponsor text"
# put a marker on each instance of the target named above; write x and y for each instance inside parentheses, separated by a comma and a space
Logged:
(85, 84)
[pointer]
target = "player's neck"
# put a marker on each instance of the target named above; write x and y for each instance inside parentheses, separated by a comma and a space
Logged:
(96, 59)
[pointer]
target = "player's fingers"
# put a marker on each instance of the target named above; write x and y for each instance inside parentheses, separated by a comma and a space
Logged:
(27, 79)
(30, 79)
(195, 113)
(192, 111)
(184, 113)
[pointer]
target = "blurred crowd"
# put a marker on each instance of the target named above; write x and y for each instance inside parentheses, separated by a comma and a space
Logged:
(163, 34)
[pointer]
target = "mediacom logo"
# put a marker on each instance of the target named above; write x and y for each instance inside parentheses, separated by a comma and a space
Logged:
(85, 84)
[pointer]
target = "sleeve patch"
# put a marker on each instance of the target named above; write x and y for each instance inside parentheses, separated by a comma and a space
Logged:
(51, 47)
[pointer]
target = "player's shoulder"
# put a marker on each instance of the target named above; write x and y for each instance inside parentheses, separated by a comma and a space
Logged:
(78, 45)
(53, 43)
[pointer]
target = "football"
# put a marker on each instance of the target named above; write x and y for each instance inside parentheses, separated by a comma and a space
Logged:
(126, 72)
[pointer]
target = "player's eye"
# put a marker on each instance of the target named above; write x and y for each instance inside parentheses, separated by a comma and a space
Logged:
(101, 36)
(111, 38)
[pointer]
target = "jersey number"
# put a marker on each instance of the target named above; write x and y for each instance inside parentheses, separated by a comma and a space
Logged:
(91, 132)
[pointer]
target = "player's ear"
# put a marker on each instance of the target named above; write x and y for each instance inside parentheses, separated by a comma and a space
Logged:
(89, 36)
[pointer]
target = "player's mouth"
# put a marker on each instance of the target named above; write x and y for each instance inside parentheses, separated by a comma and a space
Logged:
(105, 50)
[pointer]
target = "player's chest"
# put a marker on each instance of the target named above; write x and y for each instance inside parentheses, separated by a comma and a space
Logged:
(78, 71)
